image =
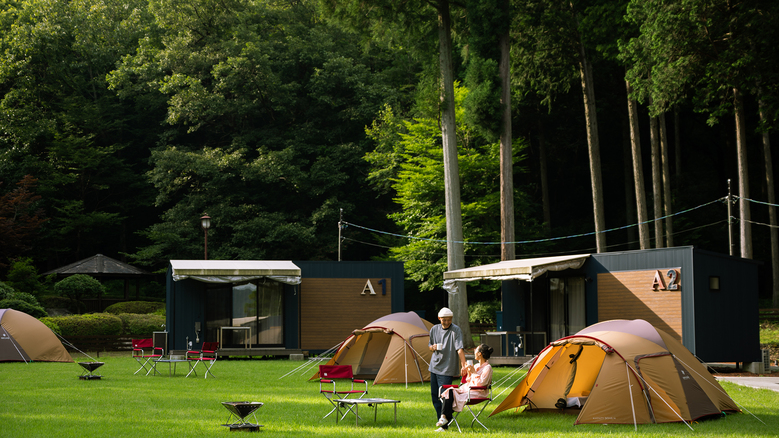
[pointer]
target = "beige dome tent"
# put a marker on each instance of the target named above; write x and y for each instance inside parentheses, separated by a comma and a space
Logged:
(23, 339)
(391, 349)
(620, 372)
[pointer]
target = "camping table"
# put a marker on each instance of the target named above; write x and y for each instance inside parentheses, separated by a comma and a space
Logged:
(356, 402)
(169, 362)
(246, 339)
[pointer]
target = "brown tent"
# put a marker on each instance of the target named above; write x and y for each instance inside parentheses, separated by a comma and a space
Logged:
(391, 349)
(24, 339)
(620, 372)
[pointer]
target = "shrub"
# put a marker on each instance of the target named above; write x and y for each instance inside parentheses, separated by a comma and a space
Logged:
(141, 325)
(483, 312)
(52, 325)
(5, 290)
(23, 276)
(23, 306)
(56, 302)
(138, 307)
(77, 286)
(93, 324)
(23, 296)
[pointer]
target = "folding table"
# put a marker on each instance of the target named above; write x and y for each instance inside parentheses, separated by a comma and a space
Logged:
(356, 402)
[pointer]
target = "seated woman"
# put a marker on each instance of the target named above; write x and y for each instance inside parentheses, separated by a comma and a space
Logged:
(454, 399)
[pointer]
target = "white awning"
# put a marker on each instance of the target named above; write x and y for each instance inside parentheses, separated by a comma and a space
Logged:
(525, 269)
(235, 271)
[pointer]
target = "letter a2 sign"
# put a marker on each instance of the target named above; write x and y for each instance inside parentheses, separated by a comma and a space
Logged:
(673, 283)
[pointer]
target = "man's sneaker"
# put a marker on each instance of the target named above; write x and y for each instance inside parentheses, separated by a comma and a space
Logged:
(442, 421)
(440, 429)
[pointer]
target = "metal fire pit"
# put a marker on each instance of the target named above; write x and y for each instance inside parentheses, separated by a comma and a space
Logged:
(89, 370)
(238, 413)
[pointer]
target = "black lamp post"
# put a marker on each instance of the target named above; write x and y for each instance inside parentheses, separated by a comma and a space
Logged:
(205, 222)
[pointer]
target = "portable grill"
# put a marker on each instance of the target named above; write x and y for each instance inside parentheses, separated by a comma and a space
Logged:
(89, 369)
(238, 413)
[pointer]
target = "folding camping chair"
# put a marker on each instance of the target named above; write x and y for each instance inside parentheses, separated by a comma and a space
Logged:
(207, 356)
(145, 352)
(334, 373)
(474, 398)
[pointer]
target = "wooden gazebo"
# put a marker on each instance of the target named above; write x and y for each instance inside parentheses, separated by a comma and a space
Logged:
(104, 268)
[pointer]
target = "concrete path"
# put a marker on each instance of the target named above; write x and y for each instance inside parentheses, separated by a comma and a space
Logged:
(771, 383)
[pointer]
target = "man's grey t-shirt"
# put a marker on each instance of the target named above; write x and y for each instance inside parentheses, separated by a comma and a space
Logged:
(446, 362)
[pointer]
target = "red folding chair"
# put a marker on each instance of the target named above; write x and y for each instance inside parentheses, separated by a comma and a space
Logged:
(474, 398)
(145, 352)
(207, 356)
(330, 374)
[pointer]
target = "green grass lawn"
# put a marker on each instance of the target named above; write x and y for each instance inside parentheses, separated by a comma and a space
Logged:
(48, 400)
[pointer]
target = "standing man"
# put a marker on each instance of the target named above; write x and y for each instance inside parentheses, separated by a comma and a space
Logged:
(446, 343)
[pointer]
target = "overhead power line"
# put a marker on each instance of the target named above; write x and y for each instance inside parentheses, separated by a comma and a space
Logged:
(522, 242)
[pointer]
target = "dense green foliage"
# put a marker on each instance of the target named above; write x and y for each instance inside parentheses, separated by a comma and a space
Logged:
(23, 306)
(23, 277)
(483, 312)
(21, 301)
(123, 122)
(141, 325)
(138, 307)
(415, 174)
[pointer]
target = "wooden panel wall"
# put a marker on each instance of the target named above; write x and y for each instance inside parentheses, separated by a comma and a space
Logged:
(629, 295)
(330, 308)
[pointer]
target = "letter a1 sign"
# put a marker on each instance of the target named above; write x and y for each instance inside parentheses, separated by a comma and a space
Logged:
(674, 280)
(368, 289)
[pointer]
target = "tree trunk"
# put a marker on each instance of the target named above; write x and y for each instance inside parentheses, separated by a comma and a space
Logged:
(628, 185)
(593, 143)
(638, 172)
(507, 247)
(745, 224)
(455, 253)
(544, 178)
(677, 143)
(669, 229)
(657, 192)
(769, 179)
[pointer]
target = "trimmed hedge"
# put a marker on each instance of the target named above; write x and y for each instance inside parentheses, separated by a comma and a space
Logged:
(93, 324)
(137, 307)
(106, 324)
(52, 325)
(141, 325)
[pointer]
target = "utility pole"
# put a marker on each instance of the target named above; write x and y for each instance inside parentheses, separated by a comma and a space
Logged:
(340, 227)
(730, 220)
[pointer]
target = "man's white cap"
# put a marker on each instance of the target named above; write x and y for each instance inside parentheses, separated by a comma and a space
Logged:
(445, 312)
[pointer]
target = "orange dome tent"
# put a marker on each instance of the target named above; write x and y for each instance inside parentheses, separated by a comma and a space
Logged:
(620, 372)
(24, 339)
(391, 349)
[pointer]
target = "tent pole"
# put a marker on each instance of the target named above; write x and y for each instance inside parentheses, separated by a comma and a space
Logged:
(630, 393)
(532, 327)
(405, 360)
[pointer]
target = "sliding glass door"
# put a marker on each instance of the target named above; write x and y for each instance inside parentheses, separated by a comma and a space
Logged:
(252, 310)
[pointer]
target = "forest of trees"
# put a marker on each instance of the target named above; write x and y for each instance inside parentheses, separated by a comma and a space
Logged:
(577, 126)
